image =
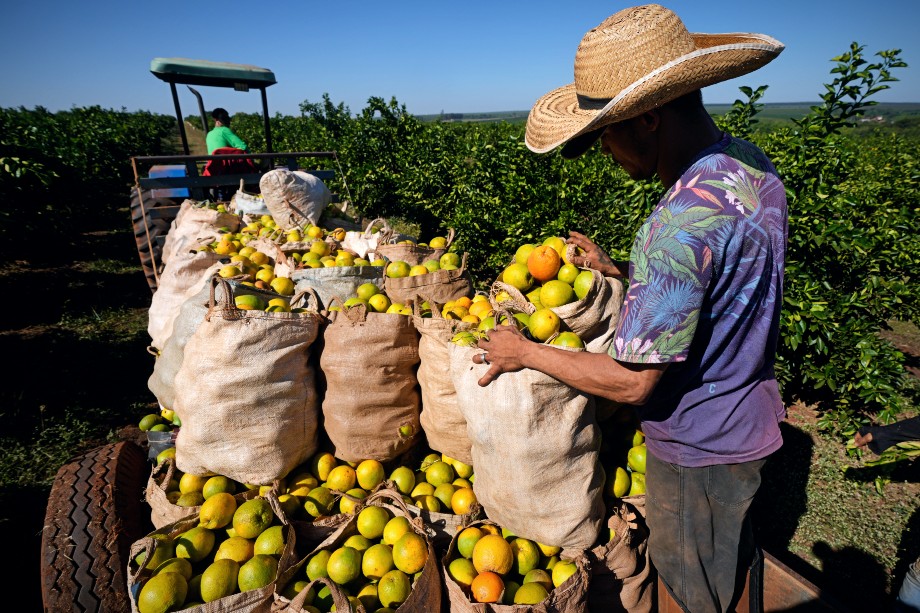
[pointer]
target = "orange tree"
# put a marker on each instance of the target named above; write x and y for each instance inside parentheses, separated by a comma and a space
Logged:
(852, 252)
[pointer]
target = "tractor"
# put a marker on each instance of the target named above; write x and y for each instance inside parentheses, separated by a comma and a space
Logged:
(162, 183)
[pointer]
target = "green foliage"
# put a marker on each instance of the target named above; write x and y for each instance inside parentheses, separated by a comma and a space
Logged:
(852, 251)
(851, 257)
(61, 172)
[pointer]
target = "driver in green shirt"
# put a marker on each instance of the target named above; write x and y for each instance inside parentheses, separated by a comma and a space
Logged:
(222, 136)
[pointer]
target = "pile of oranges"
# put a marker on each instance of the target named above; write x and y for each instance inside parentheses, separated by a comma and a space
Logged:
(493, 565)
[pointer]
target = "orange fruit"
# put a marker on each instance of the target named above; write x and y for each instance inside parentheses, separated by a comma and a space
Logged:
(490, 529)
(523, 252)
(377, 561)
(344, 565)
(538, 575)
(544, 263)
(397, 269)
(467, 540)
(394, 588)
(530, 593)
(567, 339)
(636, 458)
(526, 555)
(493, 553)
(461, 570)
(410, 553)
(557, 243)
(618, 482)
(461, 501)
(487, 587)
(370, 474)
(583, 283)
(480, 309)
(463, 301)
(518, 276)
(568, 273)
(556, 293)
(543, 324)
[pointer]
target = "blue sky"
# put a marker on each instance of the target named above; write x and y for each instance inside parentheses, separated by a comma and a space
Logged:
(455, 57)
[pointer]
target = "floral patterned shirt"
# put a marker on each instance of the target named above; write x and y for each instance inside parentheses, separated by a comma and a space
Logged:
(705, 295)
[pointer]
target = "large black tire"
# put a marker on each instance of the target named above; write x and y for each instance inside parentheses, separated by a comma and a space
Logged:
(96, 510)
(147, 235)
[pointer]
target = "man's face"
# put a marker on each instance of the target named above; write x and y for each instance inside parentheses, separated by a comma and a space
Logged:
(633, 146)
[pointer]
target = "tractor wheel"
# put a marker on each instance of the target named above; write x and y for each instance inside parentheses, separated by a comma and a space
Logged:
(149, 248)
(96, 510)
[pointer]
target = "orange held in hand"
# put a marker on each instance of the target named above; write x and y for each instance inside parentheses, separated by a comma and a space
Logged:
(544, 263)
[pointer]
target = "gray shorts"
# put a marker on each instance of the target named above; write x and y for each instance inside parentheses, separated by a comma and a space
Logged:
(700, 536)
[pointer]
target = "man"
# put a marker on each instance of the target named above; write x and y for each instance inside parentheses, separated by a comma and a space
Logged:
(221, 136)
(696, 341)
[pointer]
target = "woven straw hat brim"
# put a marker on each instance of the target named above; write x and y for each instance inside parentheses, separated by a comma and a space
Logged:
(560, 115)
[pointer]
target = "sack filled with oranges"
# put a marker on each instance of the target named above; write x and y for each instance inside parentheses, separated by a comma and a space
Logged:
(527, 430)
(185, 272)
(382, 557)
(397, 248)
(368, 362)
(487, 566)
(245, 392)
(542, 280)
(441, 419)
(225, 558)
(173, 496)
(438, 489)
(439, 280)
(195, 220)
(184, 319)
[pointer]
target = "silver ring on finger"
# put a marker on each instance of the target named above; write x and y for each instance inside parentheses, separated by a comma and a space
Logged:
(482, 356)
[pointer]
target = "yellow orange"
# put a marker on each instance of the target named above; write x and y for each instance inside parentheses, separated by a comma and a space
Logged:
(493, 553)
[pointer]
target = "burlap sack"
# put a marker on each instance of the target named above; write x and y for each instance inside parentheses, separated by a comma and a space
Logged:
(295, 198)
(184, 272)
(440, 286)
(341, 281)
(411, 254)
(252, 601)
(192, 224)
(246, 394)
(535, 444)
(622, 575)
(365, 242)
(243, 203)
(426, 589)
(441, 419)
(194, 308)
(570, 597)
(371, 404)
(162, 511)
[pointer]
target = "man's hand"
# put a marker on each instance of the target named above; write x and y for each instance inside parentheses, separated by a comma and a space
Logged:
(503, 352)
(595, 257)
(862, 440)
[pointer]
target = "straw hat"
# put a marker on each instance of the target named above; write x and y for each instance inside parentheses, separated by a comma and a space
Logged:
(634, 61)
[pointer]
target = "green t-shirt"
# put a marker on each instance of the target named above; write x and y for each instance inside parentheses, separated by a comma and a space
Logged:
(222, 136)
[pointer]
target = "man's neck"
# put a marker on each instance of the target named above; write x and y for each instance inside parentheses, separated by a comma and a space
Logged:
(681, 142)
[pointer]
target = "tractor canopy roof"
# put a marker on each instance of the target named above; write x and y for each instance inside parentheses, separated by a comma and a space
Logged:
(240, 77)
